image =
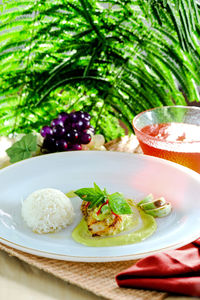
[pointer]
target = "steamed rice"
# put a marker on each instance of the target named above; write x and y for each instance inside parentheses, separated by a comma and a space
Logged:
(47, 210)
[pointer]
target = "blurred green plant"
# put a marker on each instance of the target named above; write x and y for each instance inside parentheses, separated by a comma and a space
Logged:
(111, 58)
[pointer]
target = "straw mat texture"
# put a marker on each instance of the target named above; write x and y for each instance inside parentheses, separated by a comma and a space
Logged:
(98, 278)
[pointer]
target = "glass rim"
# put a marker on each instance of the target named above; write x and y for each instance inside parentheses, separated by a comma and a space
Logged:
(158, 139)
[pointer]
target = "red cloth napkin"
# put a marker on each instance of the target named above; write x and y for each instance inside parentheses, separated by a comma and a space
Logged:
(176, 271)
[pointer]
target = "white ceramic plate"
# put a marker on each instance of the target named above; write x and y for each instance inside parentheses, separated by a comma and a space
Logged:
(133, 175)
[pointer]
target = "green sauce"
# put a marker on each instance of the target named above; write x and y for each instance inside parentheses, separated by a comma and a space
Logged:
(71, 194)
(148, 225)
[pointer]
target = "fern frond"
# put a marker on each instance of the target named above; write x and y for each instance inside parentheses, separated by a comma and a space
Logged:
(112, 61)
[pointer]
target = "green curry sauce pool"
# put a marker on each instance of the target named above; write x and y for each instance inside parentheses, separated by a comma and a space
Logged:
(137, 227)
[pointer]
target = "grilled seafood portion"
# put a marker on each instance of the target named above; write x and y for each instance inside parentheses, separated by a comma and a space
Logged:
(102, 224)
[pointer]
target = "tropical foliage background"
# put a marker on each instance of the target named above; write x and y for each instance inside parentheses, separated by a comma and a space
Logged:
(111, 58)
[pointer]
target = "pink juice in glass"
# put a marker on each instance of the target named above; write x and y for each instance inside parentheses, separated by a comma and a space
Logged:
(177, 142)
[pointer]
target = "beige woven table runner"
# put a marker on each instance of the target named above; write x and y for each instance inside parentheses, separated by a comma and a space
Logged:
(98, 278)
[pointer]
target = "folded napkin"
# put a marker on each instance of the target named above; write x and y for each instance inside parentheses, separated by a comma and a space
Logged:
(176, 271)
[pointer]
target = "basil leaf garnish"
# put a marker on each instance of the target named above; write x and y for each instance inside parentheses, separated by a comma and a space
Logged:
(118, 204)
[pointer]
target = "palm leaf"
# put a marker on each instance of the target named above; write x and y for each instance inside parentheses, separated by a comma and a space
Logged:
(58, 55)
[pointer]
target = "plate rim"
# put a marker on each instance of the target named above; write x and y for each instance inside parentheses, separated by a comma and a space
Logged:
(124, 257)
(108, 152)
(97, 259)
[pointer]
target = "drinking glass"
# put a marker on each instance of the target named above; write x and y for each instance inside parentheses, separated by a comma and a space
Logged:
(172, 133)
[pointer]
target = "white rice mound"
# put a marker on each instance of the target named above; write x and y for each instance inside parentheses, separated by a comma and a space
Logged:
(47, 210)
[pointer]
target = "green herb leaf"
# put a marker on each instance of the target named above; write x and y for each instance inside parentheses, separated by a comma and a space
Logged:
(86, 194)
(97, 189)
(97, 201)
(22, 149)
(116, 202)
(119, 204)
(106, 210)
(94, 195)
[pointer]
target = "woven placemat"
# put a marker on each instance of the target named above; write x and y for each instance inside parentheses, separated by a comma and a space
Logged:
(99, 278)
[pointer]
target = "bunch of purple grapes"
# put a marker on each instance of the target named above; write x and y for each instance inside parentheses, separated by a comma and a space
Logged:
(67, 132)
